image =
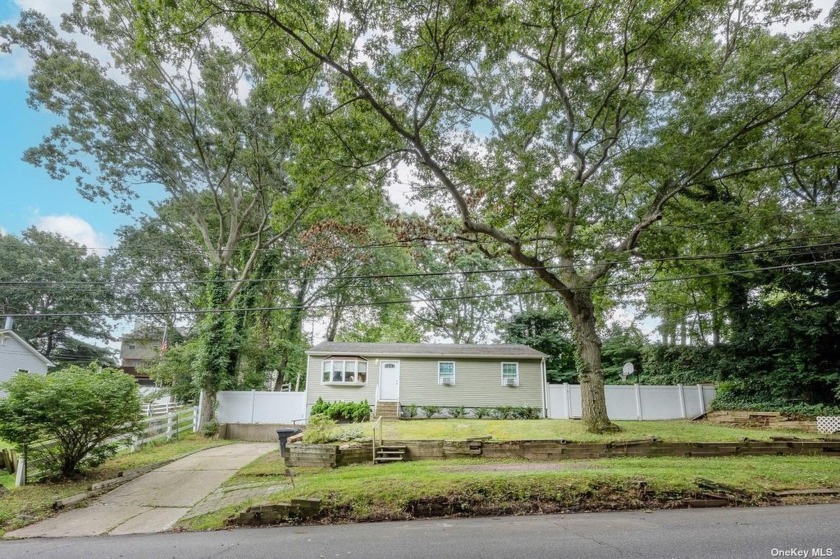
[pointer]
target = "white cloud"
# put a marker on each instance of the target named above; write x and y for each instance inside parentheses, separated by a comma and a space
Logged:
(74, 228)
(50, 8)
(3, 231)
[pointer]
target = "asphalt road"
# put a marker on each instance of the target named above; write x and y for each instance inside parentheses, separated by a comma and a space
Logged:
(701, 534)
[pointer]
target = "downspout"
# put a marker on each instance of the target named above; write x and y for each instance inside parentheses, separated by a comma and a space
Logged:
(544, 383)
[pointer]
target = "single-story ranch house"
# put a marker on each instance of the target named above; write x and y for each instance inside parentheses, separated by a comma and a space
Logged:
(447, 375)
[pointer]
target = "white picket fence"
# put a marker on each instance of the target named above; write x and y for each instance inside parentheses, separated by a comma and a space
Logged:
(154, 428)
(260, 407)
(634, 401)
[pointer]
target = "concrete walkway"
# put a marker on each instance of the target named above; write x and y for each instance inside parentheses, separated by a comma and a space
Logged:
(152, 502)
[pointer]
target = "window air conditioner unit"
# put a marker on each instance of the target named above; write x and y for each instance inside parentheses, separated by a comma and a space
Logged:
(511, 382)
(447, 381)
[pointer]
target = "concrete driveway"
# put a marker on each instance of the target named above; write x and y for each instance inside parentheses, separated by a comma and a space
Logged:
(153, 502)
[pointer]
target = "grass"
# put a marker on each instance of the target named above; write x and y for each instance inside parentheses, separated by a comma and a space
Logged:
(475, 486)
(24, 505)
(572, 431)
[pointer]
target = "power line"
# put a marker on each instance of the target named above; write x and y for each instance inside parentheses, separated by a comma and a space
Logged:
(716, 256)
(426, 300)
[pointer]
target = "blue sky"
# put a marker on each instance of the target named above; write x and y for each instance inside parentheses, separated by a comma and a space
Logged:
(29, 196)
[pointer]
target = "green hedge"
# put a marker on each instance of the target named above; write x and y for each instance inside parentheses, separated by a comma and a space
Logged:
(342, 411)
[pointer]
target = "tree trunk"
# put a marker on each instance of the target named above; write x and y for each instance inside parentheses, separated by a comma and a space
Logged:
(335, 318)
(208, 404)
(293, 332)
(590, 373)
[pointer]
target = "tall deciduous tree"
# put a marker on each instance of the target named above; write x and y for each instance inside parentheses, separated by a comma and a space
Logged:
(195, 117)
(46, 274)
(558, 132)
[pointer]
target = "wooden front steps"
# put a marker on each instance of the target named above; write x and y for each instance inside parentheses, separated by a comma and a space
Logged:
(389, 453)
(388, 411)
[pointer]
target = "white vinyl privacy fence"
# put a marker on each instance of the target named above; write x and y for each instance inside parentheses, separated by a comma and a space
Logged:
(260, 407)
(634, 401)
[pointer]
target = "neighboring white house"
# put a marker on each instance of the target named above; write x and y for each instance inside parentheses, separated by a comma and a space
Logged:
(18, 356)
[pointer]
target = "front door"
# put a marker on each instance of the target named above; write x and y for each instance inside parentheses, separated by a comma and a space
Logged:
(389, 381)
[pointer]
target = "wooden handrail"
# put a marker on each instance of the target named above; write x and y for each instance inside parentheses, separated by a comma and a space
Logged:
(377, 423)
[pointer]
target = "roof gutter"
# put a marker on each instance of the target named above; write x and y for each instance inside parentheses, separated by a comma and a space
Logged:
(369, 354)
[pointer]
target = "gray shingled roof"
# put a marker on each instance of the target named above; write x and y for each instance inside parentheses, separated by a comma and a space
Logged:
(427, 350)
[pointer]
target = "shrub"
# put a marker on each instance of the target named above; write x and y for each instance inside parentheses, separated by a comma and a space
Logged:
(82, 409)
(482, 412)
(526, 412)
(505, 412)
(210, 429)
(347, 411)
(319, 407)
(458, 412)
(320, 429)
(429, 411)
(410, 410)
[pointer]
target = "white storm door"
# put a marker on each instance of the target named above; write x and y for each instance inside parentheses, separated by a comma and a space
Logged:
(389, 380)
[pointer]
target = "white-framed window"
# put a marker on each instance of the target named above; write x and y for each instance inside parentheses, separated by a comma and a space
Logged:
(510, 374)
(344, 370)
(446, 373)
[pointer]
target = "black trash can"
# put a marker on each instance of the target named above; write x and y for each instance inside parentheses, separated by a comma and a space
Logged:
(283, 435)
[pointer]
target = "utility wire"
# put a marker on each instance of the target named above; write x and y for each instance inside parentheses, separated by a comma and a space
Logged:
(719, 256)
(426, 300)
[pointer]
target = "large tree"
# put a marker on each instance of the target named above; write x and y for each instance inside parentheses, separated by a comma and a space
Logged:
(58, 287)
(195, 117)
(558, 132)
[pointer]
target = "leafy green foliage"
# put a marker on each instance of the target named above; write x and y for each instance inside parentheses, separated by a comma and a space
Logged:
(175, 368)
(81, 409)
(66, 279)
(738, 395)
(550, 332)
(319, 429)
(482, 412)
(457, 412)
(505, 412)
(410, 410)
(210, 428)
(346, 411)
(430, 411)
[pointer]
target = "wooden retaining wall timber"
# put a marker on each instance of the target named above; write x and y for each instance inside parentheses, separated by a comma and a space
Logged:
(771, 420)
(545, 450)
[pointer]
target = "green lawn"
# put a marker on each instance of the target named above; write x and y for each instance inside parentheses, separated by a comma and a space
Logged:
(477, 486)
(572, 431)
(24, 505)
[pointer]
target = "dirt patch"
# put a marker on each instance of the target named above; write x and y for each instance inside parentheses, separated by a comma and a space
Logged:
(524, 467)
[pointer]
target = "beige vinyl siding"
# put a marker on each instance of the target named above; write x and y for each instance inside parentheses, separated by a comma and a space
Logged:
(337, 392)
(478, 382)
